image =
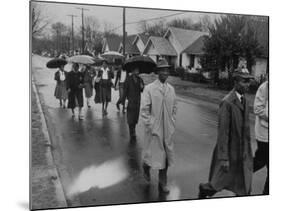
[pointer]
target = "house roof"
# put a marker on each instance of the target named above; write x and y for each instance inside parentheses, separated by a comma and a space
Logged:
(144, 37)
(162, 46)
(184, 37)
(113, 43)
(196, 48)
(130, 48)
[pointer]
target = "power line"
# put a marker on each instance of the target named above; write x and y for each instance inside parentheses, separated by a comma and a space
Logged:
(146, 20)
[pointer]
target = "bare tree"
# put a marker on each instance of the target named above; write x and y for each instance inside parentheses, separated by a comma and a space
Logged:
(206, 23)
(39, 22)
(157, 29)
(59, 29)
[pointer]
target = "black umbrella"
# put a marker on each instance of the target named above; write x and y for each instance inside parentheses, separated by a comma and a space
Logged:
(56, 63)
(144, 63)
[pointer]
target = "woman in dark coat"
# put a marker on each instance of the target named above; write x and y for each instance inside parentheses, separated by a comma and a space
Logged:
(105, 86)
(97, 87)
(133, 87)
(88, 83)
(60, 91)
(75, 84)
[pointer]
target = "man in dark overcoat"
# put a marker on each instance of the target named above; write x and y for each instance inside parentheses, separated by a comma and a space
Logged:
(232, 162)
(133, 87)
(75, 84)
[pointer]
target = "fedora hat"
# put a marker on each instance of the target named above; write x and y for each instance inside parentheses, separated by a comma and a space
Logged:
(241, 73)
(162, 63)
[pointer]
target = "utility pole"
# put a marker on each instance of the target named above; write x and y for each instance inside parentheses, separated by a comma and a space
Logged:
(82, 16)
(72, 31)
(124, 31)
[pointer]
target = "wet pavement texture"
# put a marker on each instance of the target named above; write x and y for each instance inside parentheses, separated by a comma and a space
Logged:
(97, 163)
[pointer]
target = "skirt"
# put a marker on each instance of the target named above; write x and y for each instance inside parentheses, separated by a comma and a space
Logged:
(105, 90)
(60, 91)
(88, 90)
(75, 98)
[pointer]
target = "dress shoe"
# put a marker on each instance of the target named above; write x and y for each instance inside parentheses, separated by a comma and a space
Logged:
(205, 191)
(163, 188)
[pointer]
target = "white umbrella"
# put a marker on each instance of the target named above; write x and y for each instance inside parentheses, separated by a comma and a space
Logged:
(112, 55)
(81, 59)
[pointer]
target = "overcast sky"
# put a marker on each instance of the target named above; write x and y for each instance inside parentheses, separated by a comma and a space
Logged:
(58, 12)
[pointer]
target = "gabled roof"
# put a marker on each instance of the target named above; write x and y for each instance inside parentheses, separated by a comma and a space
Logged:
(113, 43)
(196, 48)
(184, 37)
(144, 37)
(130, 48)
(162, 46)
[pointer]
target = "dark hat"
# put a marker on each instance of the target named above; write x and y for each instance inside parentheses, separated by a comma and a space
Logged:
(242, 73)
(162, 63)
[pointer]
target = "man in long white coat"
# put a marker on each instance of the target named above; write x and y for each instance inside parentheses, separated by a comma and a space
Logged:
(158, 113)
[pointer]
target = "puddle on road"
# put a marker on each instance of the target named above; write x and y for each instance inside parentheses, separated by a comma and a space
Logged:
(102, 176)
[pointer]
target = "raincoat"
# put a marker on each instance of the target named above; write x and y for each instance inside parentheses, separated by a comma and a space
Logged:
(158, 113)
(233, 145)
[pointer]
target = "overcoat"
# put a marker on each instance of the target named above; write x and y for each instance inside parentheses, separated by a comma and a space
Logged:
(132, 91)
(233, 145)
(158, 113)
(60, 90)
(75, 83)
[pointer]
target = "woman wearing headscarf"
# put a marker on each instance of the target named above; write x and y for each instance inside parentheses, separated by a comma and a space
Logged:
(60, 91)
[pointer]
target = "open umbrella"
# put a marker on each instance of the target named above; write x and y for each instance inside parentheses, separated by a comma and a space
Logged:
(144, 63)
(81, 59)
(56, 63)
(112, 55)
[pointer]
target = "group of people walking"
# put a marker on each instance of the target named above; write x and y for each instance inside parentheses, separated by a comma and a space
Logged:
(70, 86)
(232, 164)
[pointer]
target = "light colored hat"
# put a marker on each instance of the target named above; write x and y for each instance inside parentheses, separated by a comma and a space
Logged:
(163, 64)
(239, 72)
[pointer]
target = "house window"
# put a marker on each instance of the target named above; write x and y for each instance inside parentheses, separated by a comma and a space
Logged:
(192, 59)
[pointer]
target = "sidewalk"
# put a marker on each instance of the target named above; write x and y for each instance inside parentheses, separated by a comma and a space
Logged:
(196, 90)
(46, 190)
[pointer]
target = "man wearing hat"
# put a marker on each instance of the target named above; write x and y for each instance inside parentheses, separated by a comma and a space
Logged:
(232, 161)
(159, 114)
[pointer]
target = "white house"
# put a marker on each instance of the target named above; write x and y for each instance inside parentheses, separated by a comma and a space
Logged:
(181, 39)
(159, 47)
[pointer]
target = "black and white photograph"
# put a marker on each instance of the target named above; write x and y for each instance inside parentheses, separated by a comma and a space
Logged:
(138, 105)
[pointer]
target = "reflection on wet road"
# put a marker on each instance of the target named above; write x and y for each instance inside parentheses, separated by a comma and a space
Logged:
(102, 176)
(99, 165)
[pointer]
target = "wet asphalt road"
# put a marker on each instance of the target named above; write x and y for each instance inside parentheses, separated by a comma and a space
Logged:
(97, 163)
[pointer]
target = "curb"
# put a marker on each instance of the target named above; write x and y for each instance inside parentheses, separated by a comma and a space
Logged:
(54, 172)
